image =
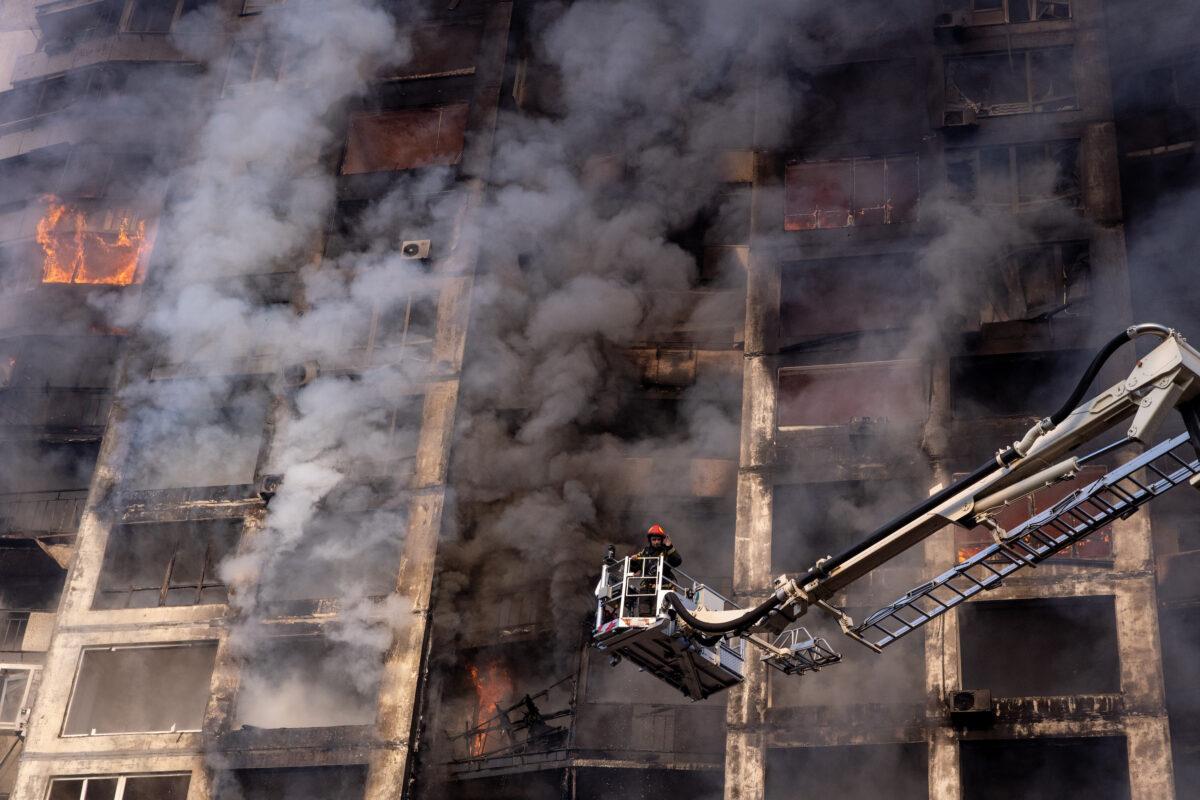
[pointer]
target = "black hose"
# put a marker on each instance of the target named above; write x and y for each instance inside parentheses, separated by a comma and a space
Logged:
(733, 626)
(1089, 375)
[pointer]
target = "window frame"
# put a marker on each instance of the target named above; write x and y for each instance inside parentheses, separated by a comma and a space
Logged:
(1005, 15)
(1029, 105)
(121, 781)
(856, 211)
(18, 722)
(128, 12)
(83, 651)
(208, 569)
(1013, 181)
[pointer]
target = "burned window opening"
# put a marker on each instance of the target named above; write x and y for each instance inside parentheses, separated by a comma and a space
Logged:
(150, 565)
(843, 295)
(1014, 82)
(307, 681)
(873, 393)
(853, 192)
(291, 783)
(125, 787)
(1018, 177)
(30, 580)
(1095, 548)
(1040, 282)
(1012, 385)
(850, 771)
(999, 12)
(253, 61)
(158, 16)
(402, 139)
(140, 689)
(196, 433)
(1070, 644)
(1065, 767)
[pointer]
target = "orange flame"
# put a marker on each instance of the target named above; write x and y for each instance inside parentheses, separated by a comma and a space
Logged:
(492, 686)
(74, 254)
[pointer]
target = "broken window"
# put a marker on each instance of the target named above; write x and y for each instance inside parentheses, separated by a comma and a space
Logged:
(439, 51)
(196, 433)
(1039, 282)
(654, 783)
(77, 22)
(1018, 177)
(896, 391)
(1013, 385)
(998, 12)
(850, 771)
(824, 519)
(342, 545)
(165, 564)
(1012, 82)
(133, 787)
(292, 783)
(15, 684)
(307, 682)
(1069, 646)
(140, 689)
(857, 191)
(388, 141)
(253, 60)
(1045, 768)
(1096, 546)
(92, 243)
(840, 295)
(30, 580)
(157, 16)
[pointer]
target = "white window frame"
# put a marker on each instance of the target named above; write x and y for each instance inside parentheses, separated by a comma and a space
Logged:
(121, 779)
(23, 707)
(144, 646)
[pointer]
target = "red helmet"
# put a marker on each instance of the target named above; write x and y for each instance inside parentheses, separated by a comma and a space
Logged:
(656, 530)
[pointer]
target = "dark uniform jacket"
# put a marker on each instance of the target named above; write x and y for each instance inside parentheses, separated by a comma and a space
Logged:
(672, 558)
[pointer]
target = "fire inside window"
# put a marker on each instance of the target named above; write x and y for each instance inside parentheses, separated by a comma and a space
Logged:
(1095, 547)
(1012, 82)
(857, 191)
(107, 246)
(389, 141)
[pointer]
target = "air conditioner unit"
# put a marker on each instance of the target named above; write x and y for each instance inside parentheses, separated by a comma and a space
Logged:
(268, 485)
(415, 249)
(972, 708)
(301, 374)
(959, 118)
(952, 19)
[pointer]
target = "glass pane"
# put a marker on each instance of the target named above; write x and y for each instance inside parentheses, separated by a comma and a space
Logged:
(903, 189)
(101, 789)
(169, 787)
(1052, 81)
(12, 694)
(817, 196)
(1018, 10)
(66, 789)
(151, 16)
(141, 689)
(994, 180)
(870, 191)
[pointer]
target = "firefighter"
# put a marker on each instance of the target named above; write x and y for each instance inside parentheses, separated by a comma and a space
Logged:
(659, 543)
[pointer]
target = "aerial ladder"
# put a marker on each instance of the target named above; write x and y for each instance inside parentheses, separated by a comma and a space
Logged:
(689, 636)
